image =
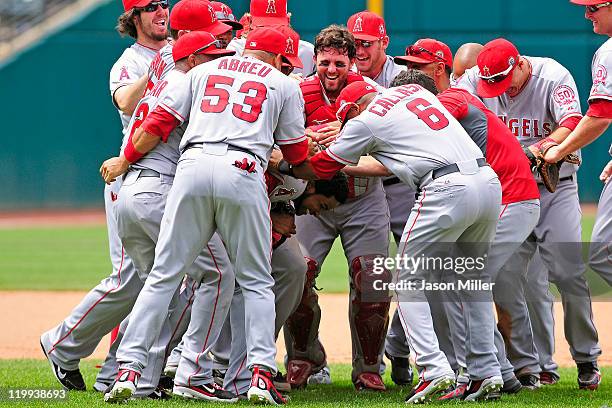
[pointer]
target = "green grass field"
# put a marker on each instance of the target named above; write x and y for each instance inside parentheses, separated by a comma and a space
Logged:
(37, 374)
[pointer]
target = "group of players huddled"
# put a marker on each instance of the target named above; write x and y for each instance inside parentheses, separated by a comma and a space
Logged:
(247, 151)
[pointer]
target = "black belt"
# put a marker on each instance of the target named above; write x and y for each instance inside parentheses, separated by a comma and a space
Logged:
(229, 147)
(453, 168)
(567, 178)
(391, 181)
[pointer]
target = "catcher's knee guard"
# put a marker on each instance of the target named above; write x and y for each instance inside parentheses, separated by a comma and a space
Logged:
(305, 354)
(369, 315)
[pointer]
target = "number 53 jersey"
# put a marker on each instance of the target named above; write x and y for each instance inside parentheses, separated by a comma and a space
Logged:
(409, 131)
(240, 101)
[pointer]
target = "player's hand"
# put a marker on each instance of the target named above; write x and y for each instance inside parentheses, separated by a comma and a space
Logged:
(553, 155)
(606, 174)
(283, 224)
(275, 157)
(313, 148)
(113, 168)
(324, 136)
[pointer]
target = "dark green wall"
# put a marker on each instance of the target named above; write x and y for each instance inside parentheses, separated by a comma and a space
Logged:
(60, 123)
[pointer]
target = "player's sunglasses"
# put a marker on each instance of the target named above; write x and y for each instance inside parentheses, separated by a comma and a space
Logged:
(416, 50)
(151, 7)
(216, 43)
(594, 8)
(364, 44)
(500, 76)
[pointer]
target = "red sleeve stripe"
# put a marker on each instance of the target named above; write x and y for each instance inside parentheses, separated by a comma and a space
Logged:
(571, 122)
(338, 158)
(570, 115)
(289, 141)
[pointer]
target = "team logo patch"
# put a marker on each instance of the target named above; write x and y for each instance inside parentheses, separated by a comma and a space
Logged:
(601, 74)
(381, 29)
(439, 54)
(285, 192)
(486, 71)
(511, 61)
(271, 7)
(213, 15)
(289, 50)
(124, 74)
(564, 95)
(358, 25)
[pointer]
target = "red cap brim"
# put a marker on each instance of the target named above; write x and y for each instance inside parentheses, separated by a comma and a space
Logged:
(487, 89)
(218, 28)
(404, 59)
(365, 37)
(586, 2)
(269, 21)
(218, 51)
(295, 61)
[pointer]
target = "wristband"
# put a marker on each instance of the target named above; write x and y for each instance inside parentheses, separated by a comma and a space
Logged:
(285, 168)
(131, 154)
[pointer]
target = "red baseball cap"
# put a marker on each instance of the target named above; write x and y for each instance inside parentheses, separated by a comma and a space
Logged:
(425, 51)
(350, 95)
(130, 4)
(587, 2)
(267, 39)
(195, 15)
(496, 62)
(269, 12)
(225, 15)
(198, 42)
(292, 45)
(367, 26)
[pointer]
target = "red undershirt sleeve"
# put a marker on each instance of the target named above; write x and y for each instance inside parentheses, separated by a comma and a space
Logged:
(160, 123)
(571, 122)
(295, 153)
(600, 108)
(324, 166)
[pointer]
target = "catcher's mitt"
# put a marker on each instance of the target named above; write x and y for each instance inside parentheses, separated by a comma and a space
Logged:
(549, 172)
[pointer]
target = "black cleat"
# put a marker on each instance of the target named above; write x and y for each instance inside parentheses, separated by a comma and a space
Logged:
(589, 376)
(70, 379)
(401, 370)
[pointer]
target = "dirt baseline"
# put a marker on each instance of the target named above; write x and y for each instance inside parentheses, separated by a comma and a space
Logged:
(28, 314)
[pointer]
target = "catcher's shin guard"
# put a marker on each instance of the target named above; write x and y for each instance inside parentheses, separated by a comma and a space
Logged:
(305, 353)
(369, 318)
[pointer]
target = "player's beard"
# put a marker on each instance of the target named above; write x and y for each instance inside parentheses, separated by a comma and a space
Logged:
(152, 31)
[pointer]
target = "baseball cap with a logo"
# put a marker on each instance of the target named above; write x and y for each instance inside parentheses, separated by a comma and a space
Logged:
(130, 4)
(195, 15)
(225, 15)
(425, 51)
(269, 12)
(292, 45)
(267, 39)
(349, 96)
(198, 42)
(496, 62)
(367, 26)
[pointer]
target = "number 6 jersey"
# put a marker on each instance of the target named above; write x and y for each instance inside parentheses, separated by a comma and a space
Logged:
(240, 101)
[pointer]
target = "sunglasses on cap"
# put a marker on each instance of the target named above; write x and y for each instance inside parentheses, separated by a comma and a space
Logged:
(346, 107)
(415, 50)
(363, 43)
(500, 76)
(216, 43)
(594, 8)
(153, 6)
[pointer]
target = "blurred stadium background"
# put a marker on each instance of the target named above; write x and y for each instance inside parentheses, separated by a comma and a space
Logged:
(55, 56)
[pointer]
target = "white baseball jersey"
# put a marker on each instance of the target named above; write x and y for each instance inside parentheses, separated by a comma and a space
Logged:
(288, 188)
(388, 73)
(160, 66)
(305, 52)
(163, 157)
(409, 131)
(549, 97)
(240, 101)
(601, 69)
(131, 65)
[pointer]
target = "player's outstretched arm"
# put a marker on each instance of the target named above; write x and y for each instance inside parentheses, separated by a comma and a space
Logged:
(589, 129)
(367, 167)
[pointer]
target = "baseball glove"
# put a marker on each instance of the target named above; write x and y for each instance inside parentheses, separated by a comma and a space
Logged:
(549, 172)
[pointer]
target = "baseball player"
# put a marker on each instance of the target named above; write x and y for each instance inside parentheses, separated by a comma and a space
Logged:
(538, 100)
(219, 185)
(435, 58)
(362, 222)
(289, 267)
(226, 16)
(593, 125)
(106, 304)
(465, 58)
(520, 207)
(271, 13)
(376, 125)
